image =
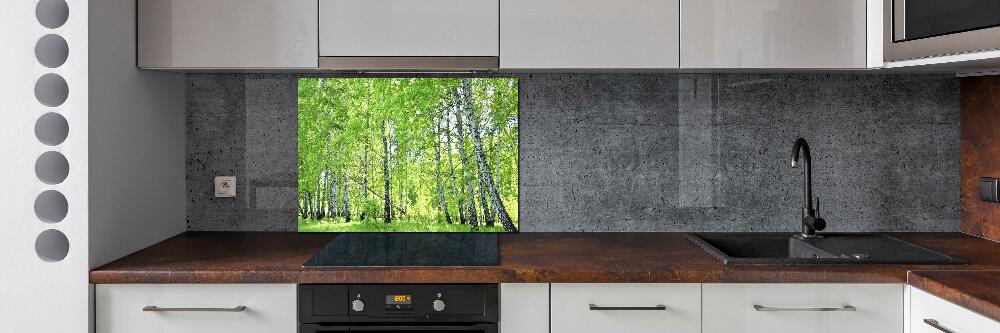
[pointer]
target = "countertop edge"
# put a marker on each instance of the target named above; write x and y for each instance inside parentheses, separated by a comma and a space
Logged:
(930, 282)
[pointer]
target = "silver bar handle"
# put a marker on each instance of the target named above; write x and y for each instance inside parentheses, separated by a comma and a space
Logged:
(848, 307)
(658, 307)
(154, 308)
(935, 324)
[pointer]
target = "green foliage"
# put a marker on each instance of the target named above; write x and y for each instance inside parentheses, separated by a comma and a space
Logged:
(349, 126)
(371, 208)
(408, 225)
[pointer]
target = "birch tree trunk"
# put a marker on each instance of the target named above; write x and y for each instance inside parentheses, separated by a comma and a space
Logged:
(484, 173)
(400, 202)
(488, 214)
(387, 211)
(318, 202)
(362, 156)
(304, 208)
(347, 200)
(308, 207)
(467, 186)
(334, 190)
(451, 165)
(299, 211)
(364, 165)
(443, 205)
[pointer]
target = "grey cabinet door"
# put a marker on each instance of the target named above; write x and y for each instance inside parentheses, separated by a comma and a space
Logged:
(774, 34)
(589, 34)
(228, 33)
(408, 28)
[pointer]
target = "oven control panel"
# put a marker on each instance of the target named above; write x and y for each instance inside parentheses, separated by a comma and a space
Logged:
(398, 303)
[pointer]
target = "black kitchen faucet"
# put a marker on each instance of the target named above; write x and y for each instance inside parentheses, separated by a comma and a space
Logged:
(810, 221)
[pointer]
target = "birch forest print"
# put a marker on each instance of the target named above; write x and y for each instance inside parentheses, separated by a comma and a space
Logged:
(407, 155)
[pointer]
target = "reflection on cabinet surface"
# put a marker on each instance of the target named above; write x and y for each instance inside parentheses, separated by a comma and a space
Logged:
(227, 33)
(773, 34)
(406, 28)
(582, 34)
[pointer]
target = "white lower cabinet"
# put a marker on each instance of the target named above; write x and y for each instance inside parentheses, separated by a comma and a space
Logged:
(524, 307)
(814, 308)
(930, 314)
(569, 308)
(196, 308)
(625, 307)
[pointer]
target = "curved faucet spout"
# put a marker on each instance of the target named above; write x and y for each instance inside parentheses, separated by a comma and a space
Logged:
(800, 144)
(810, 222)
(807, 188)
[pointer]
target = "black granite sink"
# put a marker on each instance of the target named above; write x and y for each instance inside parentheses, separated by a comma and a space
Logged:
(838, 248)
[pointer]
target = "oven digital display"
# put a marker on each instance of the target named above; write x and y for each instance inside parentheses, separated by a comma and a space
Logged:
(398, 299)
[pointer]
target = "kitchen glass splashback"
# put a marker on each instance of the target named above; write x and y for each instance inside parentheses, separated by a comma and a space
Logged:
(408, 155)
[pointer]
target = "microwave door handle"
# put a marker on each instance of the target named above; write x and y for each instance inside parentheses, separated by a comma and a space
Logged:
(898, 17)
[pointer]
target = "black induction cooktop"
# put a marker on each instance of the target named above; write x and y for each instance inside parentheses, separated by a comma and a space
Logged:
(408, 249)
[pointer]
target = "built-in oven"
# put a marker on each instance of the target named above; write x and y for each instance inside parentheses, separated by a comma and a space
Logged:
(386, 308)
(928, 28)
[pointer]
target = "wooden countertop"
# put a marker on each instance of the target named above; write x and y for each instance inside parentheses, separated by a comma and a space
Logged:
(277, 257)
(978, 291)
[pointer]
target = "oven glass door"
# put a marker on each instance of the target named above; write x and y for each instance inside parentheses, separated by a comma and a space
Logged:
(475, 328)
(916, 19)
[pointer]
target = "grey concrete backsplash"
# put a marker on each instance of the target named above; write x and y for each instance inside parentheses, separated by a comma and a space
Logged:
(639, 152)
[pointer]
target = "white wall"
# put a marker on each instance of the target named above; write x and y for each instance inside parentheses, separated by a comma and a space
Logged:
(137, 187)
(126, 129)
(38, 295)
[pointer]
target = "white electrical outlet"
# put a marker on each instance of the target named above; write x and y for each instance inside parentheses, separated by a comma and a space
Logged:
(225, 187)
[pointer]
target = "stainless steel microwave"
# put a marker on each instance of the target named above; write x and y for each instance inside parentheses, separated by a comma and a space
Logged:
(928, 28)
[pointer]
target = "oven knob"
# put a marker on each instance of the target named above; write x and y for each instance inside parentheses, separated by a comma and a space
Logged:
(438, 305)
(358, 305)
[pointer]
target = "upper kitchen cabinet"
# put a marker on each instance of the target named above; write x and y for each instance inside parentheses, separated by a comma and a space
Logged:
(780, 34)
(207, 34)
(409, 34)
(589, 34)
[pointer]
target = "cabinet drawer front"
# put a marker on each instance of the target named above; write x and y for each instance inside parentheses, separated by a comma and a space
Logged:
(818, 308)
(268, 308)
(621, 307)
(406, 28)
(947, 315)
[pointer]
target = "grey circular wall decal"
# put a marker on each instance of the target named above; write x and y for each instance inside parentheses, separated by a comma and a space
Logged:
(51, 206)
(52, 167)
(51, 90)
(51, 51)
(52, 129)
(52, 245)
(52, 13)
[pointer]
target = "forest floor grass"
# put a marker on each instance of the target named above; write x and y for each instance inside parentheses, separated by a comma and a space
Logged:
(398, 225)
